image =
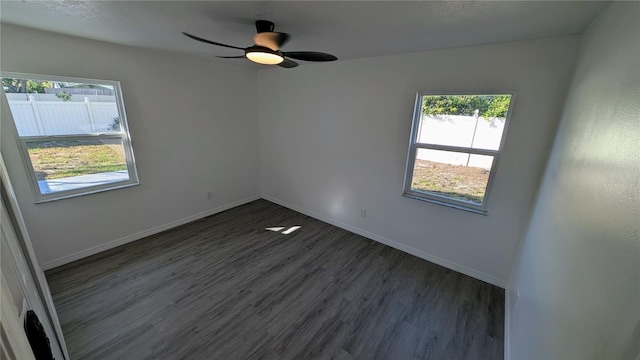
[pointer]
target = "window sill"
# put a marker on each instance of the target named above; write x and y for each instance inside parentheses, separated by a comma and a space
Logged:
(84, 191)
(443, 202)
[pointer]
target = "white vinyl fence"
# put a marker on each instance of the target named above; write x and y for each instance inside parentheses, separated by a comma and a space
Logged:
(38, 118)
(459, 130)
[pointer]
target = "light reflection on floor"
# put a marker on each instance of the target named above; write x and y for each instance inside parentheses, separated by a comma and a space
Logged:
(286, 232)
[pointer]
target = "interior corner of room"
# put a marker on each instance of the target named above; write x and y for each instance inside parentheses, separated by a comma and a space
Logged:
(242, 170)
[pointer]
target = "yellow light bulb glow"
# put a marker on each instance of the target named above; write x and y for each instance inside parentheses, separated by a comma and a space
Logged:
(262, 55)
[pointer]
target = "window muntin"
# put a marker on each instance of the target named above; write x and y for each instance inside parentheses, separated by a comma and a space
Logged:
(72, 134)
(455, 146)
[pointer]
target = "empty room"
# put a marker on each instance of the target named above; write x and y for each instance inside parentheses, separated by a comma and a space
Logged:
(320, 180)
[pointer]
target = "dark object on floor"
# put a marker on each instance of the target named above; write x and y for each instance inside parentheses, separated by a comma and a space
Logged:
(37, 337)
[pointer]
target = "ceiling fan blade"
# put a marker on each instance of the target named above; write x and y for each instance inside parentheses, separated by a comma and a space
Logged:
(272, 40)
(231, 57)
(288, 64)
(310, 56)
(211, 42)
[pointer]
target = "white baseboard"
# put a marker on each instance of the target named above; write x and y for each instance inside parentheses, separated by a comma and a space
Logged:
(142, 234)
(419, 253)
(507, 321)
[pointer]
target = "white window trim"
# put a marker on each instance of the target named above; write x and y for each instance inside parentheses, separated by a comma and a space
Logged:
(414, 146)
(123, 135)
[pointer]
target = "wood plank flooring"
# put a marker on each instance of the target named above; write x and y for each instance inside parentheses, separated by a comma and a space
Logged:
(225, 288)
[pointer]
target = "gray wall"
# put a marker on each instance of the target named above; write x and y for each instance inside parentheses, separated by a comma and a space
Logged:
(334, 140)
(578, 272)
(206, 139)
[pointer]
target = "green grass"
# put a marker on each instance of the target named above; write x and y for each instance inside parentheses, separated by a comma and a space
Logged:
(454, 181)
(61, 159)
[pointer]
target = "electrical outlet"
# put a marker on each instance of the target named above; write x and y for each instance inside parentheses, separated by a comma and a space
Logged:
(363, 212)
(209, 195)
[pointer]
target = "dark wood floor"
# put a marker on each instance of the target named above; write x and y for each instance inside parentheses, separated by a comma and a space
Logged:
(226, 288)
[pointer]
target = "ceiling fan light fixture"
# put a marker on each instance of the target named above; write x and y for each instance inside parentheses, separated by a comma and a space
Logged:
(264, 55)
(266, 48)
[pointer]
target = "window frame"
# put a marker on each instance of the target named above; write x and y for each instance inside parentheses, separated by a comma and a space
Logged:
(414, 146)
(123, 135)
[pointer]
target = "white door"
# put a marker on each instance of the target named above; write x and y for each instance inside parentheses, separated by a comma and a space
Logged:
(14, 345)
(19, 294)
(23, 285)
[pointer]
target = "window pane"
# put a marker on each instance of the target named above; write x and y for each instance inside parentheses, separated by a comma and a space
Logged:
(455, 175)
(41, 107)
(61, 165)
(473, 121)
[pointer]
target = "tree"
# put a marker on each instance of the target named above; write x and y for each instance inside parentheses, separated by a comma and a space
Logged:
(14, 85)
(25, 86)
(63, 95)
(488, 106)
(498, 107)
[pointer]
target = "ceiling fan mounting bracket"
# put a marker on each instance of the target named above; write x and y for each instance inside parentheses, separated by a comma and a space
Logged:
(264, 26)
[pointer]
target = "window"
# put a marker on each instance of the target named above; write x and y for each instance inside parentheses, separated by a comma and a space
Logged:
(72, 134)
(455, 146)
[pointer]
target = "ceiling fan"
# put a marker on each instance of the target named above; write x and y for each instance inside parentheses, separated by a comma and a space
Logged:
(266, 49)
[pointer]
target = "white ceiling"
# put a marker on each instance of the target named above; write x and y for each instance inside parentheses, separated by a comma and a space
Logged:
(347, 29)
